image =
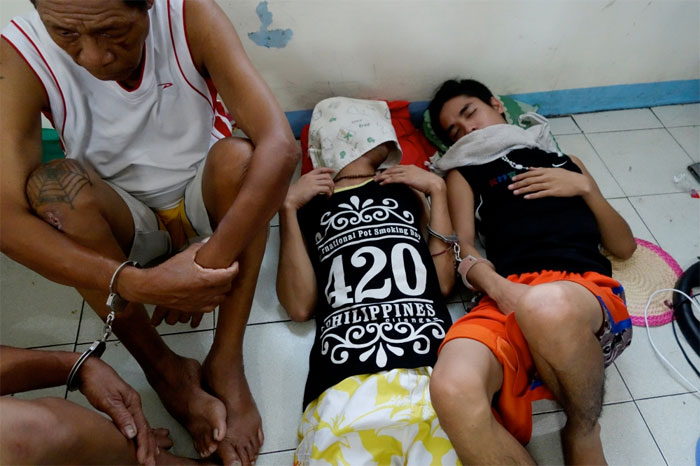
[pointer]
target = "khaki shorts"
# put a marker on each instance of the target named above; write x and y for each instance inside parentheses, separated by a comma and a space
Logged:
(152, 229)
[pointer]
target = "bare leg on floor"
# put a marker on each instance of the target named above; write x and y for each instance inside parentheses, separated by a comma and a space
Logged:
(560, 321)
(465, 379)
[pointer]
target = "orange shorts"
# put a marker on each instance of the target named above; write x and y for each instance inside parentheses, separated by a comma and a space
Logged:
(501, 334)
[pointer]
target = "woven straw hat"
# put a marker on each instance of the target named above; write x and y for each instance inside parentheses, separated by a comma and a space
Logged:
(649, 269)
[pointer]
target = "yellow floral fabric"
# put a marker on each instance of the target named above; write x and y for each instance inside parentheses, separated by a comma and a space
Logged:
(375, 419)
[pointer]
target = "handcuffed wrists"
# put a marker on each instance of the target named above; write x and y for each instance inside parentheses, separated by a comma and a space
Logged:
(114, 301)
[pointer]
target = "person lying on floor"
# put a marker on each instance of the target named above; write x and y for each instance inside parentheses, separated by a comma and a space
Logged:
(549, 305)
(354, 256)
(57, 431)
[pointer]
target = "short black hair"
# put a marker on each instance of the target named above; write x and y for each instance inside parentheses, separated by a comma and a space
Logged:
(140, 4)
(448, 90)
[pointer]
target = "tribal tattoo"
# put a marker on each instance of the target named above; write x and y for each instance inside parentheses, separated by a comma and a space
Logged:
(59, 181)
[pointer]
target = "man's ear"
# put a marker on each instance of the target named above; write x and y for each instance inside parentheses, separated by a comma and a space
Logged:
(497, 105)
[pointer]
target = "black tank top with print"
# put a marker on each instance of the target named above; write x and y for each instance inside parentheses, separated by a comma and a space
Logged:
(379, 304)
(530, 235)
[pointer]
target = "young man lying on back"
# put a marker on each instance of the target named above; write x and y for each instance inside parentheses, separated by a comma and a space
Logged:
(550, 303)
(354, 256)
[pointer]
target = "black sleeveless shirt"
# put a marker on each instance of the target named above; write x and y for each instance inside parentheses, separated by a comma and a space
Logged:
(530, 235)
(379, 304)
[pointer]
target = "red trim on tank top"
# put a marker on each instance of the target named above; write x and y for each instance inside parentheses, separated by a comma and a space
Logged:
(177, 59)
(212, 89)
(222, 127)
(143, 70)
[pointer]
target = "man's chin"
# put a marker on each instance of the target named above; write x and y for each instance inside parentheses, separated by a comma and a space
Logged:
(110, 76)
(104, 76)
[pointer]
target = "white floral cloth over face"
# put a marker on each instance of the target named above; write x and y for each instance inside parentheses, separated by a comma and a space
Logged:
(344, 129)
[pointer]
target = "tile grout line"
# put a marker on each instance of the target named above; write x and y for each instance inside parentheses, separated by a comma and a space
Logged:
(277, 451)
(612, 175)
(80, 322)
(628, 130)
(670, 395)
(618, 184)
(692, 160)
(183, 332)
(650, 432)
(42, 347)
(642, 415)
(671, 134)
(577, 125)
(77, 336)
(691, 125)
(657, 116)
(655, 194)
(269, 322)
(634, 207)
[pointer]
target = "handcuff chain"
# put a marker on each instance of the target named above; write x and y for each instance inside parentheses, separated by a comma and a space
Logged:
(457, 250)
(107, 330)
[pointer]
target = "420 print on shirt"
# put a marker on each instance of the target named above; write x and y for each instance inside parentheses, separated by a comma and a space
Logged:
(379, 305)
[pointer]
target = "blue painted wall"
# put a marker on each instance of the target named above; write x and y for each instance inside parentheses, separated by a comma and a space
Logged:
(565, 102)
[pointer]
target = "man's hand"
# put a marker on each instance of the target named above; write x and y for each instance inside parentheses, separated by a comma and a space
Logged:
(178, 283)
(412, 176)
(106, 391)
(173, 316)
(551, 182)
(314, 183)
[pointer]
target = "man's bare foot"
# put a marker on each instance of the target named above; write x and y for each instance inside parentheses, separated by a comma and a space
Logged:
(178, 383)
(244, 435)
(166, 458)
(582, 447)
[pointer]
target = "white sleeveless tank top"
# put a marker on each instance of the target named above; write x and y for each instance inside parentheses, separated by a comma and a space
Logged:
(149, 140)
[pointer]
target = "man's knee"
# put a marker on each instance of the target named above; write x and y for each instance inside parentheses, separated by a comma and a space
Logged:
(32, 433)
(59, 191)
(548, 309)
(229, 159)
(460, 392)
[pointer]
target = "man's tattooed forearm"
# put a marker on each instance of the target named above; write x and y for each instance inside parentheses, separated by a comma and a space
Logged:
(58, 181)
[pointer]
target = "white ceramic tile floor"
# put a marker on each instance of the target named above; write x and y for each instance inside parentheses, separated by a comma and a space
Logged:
(615, 392)
(35, 311)
(678, 115)
(626, 209)
(619, 120)
(563, 125)
(627, 439)
(675, 421)
(649, 417)
(674, 219)
(689, 139)
(579, 146)
(643, 161)
(91, 325)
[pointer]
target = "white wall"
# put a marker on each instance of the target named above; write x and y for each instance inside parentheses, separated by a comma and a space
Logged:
(402, 49)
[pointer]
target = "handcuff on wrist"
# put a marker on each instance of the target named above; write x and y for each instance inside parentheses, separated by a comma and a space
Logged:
(466, 264)
(115, 303)
(452, 242)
